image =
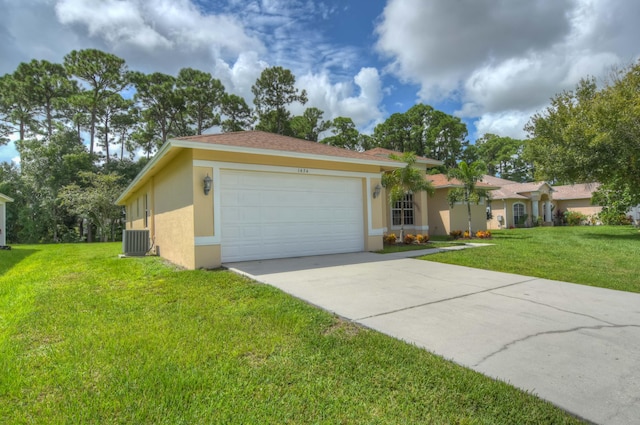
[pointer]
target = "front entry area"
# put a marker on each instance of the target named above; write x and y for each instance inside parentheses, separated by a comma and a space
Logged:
(278, 215)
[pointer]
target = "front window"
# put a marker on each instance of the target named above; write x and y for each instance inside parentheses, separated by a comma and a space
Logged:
(396, 212)
(519, 215)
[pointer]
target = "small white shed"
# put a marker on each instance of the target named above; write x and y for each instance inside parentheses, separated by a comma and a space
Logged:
(3, 218)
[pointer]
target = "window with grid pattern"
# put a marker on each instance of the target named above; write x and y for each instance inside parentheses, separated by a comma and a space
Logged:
(518, 214)
(396, 211)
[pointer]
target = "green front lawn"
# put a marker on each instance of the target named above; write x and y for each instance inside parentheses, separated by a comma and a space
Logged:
(605, 256)
(86, 337)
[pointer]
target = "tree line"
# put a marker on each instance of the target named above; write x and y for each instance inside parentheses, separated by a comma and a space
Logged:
(85, 127)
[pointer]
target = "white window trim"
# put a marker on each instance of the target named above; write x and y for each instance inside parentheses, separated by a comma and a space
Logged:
(513, 210)
(400, 226)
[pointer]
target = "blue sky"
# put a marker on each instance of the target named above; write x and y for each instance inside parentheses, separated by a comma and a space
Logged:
(493, 63)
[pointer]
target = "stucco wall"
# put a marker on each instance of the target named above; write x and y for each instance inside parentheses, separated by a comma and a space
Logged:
(373, 239)
(281, 161)
(3, 223)
(460, 217)
(208, 257)
(203, 204)
(498, 209)
(579, 205)
(174, 212)
(420, 217)
(439, 219)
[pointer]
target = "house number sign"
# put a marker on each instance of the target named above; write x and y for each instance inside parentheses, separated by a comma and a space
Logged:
(303, 170)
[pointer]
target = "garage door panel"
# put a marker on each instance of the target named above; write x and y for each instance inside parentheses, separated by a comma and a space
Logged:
(276, 215)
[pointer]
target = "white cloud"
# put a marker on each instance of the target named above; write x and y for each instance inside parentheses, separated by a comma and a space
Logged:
(504, 123)
(116, 21)
(239, 77)
(503, 60)
(363, 105)
(162, 24)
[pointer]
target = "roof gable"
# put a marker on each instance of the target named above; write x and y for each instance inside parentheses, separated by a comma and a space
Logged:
(442, 181)
(385, 153)
(575, 191)
(264, 141)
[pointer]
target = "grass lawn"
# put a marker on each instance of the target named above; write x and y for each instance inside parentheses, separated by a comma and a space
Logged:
(605, 256)
(86, 337)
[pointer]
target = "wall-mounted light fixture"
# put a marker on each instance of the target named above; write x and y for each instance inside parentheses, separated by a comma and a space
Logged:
(207, 184)
(376, 191)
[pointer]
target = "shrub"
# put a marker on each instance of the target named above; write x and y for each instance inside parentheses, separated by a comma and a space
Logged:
(422, 238)
(483, 234)
(466, 234)
(409, 239)
(574, 218)
(455, 234)
(390, 239)
(613, 218)
(559, 218)
(522, 220)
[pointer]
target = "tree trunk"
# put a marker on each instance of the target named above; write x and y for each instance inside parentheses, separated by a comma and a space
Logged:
(468, 201)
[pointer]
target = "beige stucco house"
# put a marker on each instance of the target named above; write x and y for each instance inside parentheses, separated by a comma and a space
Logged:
(519, 204)
(271, 196)
(4, 199)
(444, 218)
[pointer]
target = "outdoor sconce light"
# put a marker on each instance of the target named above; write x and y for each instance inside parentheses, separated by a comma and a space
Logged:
(207, 184)
(376, 191)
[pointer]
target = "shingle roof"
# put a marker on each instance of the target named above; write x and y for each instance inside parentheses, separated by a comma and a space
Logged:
(509, 189)
(575, 191)
(384, 153)
(269, 141)
(441, 181)
(514, 190)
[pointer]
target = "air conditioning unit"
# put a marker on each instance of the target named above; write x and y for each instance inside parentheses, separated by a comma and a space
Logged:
(135, 242)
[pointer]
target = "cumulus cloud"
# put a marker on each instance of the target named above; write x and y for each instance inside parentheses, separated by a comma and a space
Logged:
(241, 75)
(503, 59)
(359, 99)
(161, 24)
(504, 123)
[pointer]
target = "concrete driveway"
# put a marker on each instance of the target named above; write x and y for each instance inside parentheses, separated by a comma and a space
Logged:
(574, 345)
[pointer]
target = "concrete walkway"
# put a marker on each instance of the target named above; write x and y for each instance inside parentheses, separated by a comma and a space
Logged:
(574, 345)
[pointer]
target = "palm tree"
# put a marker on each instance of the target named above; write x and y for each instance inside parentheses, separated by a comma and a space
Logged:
(402, 181)
(468, 175)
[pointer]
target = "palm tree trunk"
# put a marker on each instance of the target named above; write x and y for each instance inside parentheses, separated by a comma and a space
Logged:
(468, 202)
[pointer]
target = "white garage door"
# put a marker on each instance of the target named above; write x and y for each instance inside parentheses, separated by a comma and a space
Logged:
(276, 215)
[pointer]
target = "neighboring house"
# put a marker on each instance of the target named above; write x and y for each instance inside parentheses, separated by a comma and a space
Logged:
(576, 197)
(416, 205)
(634, 213)
(519, 204)
(3, 218)
(271, 197)
(444, 218)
